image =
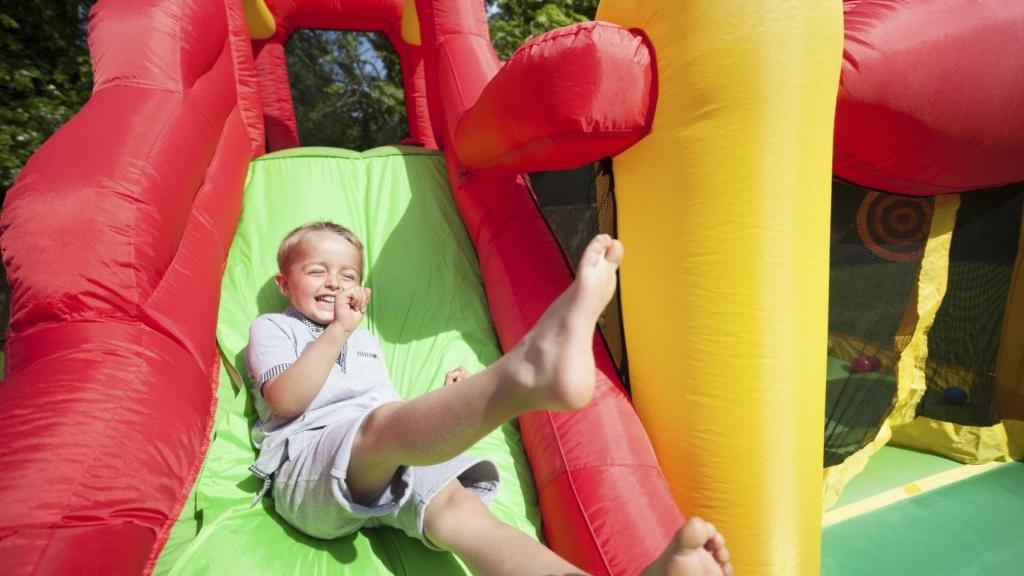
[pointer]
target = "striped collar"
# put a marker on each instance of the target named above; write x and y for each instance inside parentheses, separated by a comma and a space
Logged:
(317, 329)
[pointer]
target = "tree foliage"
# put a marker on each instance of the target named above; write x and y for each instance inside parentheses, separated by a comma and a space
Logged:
(346, 89)
(512, 22)
(45, 75)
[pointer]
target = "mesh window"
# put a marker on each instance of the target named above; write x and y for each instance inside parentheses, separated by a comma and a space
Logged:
(577, 204)
(964, 341)
(877, 242)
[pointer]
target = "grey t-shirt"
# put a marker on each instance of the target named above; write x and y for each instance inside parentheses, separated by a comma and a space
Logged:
(358, 381)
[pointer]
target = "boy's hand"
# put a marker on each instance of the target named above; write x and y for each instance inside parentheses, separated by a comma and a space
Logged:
(456, 375)
(350, 307)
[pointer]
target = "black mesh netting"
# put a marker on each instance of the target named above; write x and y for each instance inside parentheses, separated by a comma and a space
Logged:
(964, 340)
(877, 243)
(577, 204)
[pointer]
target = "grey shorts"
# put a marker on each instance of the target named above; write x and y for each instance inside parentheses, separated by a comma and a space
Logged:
(310, 491)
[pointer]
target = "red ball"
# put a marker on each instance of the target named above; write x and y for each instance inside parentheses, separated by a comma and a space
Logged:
(876, 363)
(860, 365)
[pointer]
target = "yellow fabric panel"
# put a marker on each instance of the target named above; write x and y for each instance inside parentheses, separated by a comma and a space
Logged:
(931, 288)
(1014, 438)
(411, 23)
(724, 212)
(967, 444)
(837, 477)
(260, 20)
(1009, 390)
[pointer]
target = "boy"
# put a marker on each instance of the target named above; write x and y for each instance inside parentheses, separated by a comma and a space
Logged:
(346, 451)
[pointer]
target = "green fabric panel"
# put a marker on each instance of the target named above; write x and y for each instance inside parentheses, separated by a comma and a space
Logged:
(892, 467)
(428, 310)
(970, 527)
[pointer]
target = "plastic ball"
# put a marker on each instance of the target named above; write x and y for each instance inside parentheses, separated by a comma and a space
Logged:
(876, 363)
(860, 365)
(955, 395)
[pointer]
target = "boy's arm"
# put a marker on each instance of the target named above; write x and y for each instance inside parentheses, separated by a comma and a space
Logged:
(290, 393)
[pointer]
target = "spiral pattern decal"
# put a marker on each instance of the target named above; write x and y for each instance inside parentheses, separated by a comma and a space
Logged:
(894, 227)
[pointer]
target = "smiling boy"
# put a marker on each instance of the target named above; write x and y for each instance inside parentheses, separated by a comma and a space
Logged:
(342, 450)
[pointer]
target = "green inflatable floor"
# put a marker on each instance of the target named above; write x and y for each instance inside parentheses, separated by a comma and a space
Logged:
(970, 527)
(892, 467)
(428, 310)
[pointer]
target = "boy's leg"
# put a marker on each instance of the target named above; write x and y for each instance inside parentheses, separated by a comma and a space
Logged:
(457, 520)
(552, 368)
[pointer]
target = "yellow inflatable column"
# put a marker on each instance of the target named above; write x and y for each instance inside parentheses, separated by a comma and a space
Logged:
(724, 212)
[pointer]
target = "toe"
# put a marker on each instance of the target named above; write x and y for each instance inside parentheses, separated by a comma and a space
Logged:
(615, 252)
(722, 555)
(716, 541)
(596, 249)
(696, 533)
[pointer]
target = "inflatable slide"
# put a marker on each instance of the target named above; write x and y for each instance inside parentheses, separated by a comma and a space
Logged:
(821, 205)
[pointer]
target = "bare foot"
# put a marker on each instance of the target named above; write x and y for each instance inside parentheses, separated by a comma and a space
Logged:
(696, 549)
(554, 363)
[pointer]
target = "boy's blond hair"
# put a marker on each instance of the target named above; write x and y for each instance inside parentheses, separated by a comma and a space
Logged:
(286, 251)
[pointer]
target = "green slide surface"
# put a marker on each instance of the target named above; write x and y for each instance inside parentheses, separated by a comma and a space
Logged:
(428, 310)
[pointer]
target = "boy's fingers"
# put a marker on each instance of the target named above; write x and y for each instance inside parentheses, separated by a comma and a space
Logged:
(365, 300)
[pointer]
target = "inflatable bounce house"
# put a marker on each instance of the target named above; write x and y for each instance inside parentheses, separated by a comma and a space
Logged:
(823, 288)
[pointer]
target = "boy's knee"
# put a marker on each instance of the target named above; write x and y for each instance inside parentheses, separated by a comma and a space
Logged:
(371, 438)
(453, 510)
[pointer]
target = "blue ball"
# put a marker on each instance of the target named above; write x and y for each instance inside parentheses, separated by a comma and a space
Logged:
(955, 395)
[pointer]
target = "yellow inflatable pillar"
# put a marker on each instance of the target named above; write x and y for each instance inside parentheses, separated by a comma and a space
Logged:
(724, 212)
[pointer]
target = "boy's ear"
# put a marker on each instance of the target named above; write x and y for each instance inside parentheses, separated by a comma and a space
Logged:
(282, 284)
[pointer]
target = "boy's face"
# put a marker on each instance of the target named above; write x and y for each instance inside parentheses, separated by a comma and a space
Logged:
(322, 266)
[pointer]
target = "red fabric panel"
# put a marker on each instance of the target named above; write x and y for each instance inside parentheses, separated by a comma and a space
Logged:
(157, 147)
(59, 551)
(930, 96)
(246, 80)
(114, 236)
(383, 16)
(429, 35)
(466, 63)
(174, 309)
(414, 83)
(603, 479)
(572, 96)
(620, 512)
(275, 95)
(102, 424)
(601, 488)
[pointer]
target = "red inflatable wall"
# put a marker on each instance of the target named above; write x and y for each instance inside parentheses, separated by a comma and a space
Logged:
(605, 504)
(114, 237)
(930, 96)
